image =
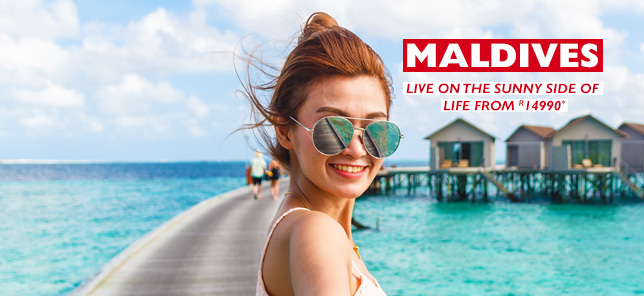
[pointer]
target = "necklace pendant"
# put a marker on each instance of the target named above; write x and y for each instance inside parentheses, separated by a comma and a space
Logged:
(355, 248)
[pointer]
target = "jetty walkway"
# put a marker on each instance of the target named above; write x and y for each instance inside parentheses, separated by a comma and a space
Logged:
(211, 249)
(469, 183)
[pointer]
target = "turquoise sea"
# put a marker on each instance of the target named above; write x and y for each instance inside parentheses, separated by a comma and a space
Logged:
(59, 223)
(422, 247)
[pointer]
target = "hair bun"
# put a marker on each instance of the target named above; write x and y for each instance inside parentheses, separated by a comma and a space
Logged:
(317, 22)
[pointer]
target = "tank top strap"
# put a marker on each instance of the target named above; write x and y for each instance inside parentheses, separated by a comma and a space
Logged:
(261, 289)
(368, 285)
(270, 233)
(355, 270)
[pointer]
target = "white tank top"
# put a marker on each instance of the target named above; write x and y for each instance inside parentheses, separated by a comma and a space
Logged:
(367, 286)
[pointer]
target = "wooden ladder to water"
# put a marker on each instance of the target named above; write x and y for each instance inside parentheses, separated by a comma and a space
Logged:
(630, 184)
(508, 194)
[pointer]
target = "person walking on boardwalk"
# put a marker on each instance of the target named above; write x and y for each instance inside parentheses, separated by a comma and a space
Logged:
(329, 109)
(257, 168)
(276, 172)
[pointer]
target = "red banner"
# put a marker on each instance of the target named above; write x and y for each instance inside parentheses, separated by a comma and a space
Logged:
(503, 55)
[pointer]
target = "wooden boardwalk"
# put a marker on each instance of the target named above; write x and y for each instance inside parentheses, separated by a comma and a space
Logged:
(211, 249)
(597, 183)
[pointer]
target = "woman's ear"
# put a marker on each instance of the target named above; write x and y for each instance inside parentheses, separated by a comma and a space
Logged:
(283, 133)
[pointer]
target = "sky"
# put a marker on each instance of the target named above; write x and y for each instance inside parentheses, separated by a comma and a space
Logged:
(155, 80)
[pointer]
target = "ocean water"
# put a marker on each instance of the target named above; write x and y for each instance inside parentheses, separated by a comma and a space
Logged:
(423, 247)
(59, 223)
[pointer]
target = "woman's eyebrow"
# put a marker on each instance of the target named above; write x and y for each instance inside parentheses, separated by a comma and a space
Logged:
(332, 110)
(376, 115)
(341, 112)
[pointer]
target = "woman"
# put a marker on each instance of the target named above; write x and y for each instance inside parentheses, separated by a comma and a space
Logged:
(257, 169)
(329, 107)
(276, 172)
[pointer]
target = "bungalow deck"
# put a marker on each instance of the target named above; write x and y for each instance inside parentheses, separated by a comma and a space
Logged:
(517, 185)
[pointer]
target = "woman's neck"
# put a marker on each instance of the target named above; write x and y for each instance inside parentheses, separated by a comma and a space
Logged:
(338, 208)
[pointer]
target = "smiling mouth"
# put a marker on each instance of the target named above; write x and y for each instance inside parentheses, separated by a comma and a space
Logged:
(349, 169)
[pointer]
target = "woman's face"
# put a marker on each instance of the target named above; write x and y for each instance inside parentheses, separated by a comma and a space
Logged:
(349, 173)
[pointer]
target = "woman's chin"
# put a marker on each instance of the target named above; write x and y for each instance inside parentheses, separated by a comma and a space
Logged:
(350, 185)
(350, 191)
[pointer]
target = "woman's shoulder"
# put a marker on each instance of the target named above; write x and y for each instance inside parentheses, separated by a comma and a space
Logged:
(317, 222)
(314, 232)
(318, 252)
(319, 238)
(306, 222)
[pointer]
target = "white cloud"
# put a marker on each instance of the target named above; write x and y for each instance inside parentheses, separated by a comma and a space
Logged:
(131, 121)
(90, 123)
(137, 106)
(126, 79)
(29, 61)
(148, 126)
(427, 19)
(51, 60)
(197, 131)
(629, 5)
(163, 42)
(251, 8)
(39, 19)
(38, 121)
(136, 95)
(195, 105)
(399, 19)
(53, 95)
(276, 20)
(159, 43)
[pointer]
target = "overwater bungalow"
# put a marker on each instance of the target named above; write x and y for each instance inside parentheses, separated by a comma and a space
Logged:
(633, 146)
(461, 144)
(585, 142)
(526, 148)
(580, 161)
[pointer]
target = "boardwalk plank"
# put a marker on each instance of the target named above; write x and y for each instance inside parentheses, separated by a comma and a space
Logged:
(212, 249)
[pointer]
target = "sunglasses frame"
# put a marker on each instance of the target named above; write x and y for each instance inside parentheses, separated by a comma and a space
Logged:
(363, 129)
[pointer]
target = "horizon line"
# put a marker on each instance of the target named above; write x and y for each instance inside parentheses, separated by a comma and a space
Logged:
(100, 161)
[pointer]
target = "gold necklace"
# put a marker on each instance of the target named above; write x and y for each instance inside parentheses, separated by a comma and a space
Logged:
(298, 197)
(355, 247)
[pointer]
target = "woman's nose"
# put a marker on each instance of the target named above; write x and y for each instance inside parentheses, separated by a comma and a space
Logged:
(356, 148)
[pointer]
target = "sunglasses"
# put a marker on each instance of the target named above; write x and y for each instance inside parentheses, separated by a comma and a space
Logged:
(332, 134)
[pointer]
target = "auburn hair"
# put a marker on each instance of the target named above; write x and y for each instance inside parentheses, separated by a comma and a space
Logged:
(324, 49)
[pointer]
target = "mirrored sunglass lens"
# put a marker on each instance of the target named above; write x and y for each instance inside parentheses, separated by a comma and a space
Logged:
(331, 135)
(381, 138)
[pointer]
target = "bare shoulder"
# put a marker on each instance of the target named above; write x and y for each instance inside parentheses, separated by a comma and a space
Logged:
(316, 224)
(315, 232)
(320, 258)
(308, 255)
(312, 232)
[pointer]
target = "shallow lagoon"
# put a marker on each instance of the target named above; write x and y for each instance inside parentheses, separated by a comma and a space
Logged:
(427, 248)
(61, 223)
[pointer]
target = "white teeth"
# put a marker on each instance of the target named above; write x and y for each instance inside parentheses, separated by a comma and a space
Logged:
(348, 169)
